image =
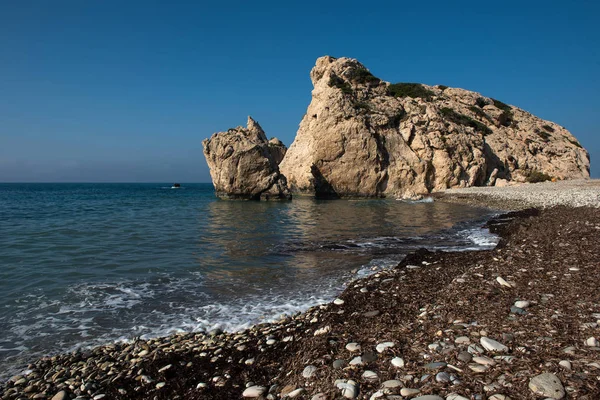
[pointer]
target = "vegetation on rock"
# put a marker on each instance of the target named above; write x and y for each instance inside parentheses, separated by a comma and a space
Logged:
(336, 81)
(362, 76)
(410, 90)
(461, 119)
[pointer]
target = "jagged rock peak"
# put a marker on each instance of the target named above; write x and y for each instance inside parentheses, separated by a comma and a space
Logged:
(362, 136)
(244, 165)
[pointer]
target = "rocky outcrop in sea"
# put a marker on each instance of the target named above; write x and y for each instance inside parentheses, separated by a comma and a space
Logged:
(364, 137)
(244, 164)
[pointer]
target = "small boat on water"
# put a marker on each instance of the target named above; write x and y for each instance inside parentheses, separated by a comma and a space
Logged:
(176, 186)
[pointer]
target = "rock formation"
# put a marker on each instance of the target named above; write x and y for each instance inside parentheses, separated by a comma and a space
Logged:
(277, 150)
(244, 165)
(363, 137)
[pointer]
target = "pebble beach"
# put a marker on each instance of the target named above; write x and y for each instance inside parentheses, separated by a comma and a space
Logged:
(521, 321)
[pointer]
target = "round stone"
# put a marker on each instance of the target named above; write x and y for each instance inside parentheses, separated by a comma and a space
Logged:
(522, 304)
(398, 362)
(353, 347)
(464, 356)
(393, 383)
(565, 364)
(309, 371)
(339, 364)
(442, 377)
(547, 385)
(254, 391)
(370, 376)
(338, 302)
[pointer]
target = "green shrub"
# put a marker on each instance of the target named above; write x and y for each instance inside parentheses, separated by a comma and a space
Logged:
(481, 102)
(502, 106)
(545, 136)
(478, 111)
(410, 90)
(548, 128)
(576, 143)
(461, 119)
(362, 76)
(537, 176)
(442, 87)
(336, 81)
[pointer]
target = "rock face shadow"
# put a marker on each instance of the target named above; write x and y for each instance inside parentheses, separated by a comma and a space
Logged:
(323, 189)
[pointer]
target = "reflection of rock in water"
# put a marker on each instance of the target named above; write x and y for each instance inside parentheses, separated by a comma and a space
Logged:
(255, 243)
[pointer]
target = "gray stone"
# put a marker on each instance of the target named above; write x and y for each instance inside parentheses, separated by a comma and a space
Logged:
(370, 314)
(339, 364)
(492, 345)
(369, 356)
(319, 396)
(442, 377)
(370, 376)
(547, 385)
(464, 356)
(392, 383)
(517, 310)
(429, 397)
(309, 371)
(435, 365)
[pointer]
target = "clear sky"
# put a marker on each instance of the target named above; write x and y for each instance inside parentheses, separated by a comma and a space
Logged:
(103, 90)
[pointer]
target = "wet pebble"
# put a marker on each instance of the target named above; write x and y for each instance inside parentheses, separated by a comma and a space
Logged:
(442, 377)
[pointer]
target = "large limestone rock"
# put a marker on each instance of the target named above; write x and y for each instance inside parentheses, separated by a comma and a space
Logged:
(244, 165)
(362, 137)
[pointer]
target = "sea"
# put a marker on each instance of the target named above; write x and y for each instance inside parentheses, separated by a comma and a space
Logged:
(88, 264)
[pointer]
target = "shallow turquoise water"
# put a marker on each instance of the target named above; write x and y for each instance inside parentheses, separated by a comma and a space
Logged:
(84, 264)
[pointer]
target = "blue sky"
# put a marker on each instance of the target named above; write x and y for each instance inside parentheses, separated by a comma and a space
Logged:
(126, 91)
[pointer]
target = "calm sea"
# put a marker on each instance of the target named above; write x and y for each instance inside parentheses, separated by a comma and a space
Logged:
(86, 264)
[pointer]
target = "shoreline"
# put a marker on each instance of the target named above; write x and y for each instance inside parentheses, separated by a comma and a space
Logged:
(574, 193)
(375, 310)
